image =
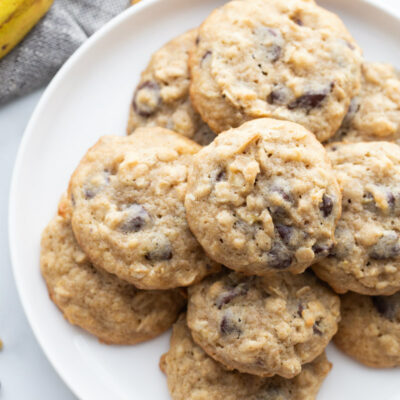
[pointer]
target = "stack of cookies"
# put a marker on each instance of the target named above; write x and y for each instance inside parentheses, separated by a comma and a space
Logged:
(260, 180)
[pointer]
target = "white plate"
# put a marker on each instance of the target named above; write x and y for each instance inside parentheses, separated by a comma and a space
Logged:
(88, 98)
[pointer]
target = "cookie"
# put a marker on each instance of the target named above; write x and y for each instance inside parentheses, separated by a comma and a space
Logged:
(289, 60)
(128, 213)
(263, 325)
(370, 329)
(263, 197)
(162, 95)
(193, 375)
(374, 114)
(109, 308)
(366, 257)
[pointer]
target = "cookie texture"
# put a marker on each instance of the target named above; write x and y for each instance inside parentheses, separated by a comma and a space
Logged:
(263, 197)
(370, 329)
(128, 213)
(289, 60)
(162, 96)
(366, 257)
(263, 325)
(109, 308)
(374, 114)
(193, 375)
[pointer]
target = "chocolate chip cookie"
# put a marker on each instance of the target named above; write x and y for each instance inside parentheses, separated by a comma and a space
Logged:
(288, 60)
(263, 197)
(162, 95)
(109, 308)
(366, 258)
(128, 215)
(374, 114)
(263, 325)
(193, 375)
(370, 329)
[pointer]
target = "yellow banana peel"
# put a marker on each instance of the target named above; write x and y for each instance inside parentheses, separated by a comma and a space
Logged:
(17, 18)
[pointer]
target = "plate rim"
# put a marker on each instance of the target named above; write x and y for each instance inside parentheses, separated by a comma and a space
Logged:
(51, 88)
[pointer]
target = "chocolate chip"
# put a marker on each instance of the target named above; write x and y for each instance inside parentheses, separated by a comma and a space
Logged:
(159, 255)
(285, 232)
(326, 206)
(197, 40)
(322, 250)
(228, 326)
(221, 176)
(387, 306)
(206, 55)
(310, 99)
(274, 53)
(227, 297)
(275, 97)
(316, 329)
(270, 46)
(300, 310)
(285, 194)
(274, 47)
(279, 257)
(89, 193)
(136, 220)
(278, 214)
(162, 250)
(298, 21)
(153, 99)
(133, 224)
(279, 95)
(391, 199)
(387, 247)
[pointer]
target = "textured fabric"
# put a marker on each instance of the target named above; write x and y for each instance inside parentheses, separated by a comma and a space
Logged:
(38, 57)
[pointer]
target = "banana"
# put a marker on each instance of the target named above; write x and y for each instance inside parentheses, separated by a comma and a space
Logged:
(17, 18)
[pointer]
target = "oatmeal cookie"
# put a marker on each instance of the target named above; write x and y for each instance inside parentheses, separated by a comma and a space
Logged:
(128, 213)
(162, 95)
(370, 329)
(374, 114)
(263, 197)
(289, 60)
(263, 325)
(366, 257)
(193, 375)
(109, 308)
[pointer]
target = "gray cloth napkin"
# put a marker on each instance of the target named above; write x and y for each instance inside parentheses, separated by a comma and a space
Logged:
(38, 57)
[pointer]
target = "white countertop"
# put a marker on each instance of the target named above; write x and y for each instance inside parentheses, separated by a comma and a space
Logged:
(25, 373)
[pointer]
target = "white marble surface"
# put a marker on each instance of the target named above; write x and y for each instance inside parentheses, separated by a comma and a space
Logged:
(25, 373)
